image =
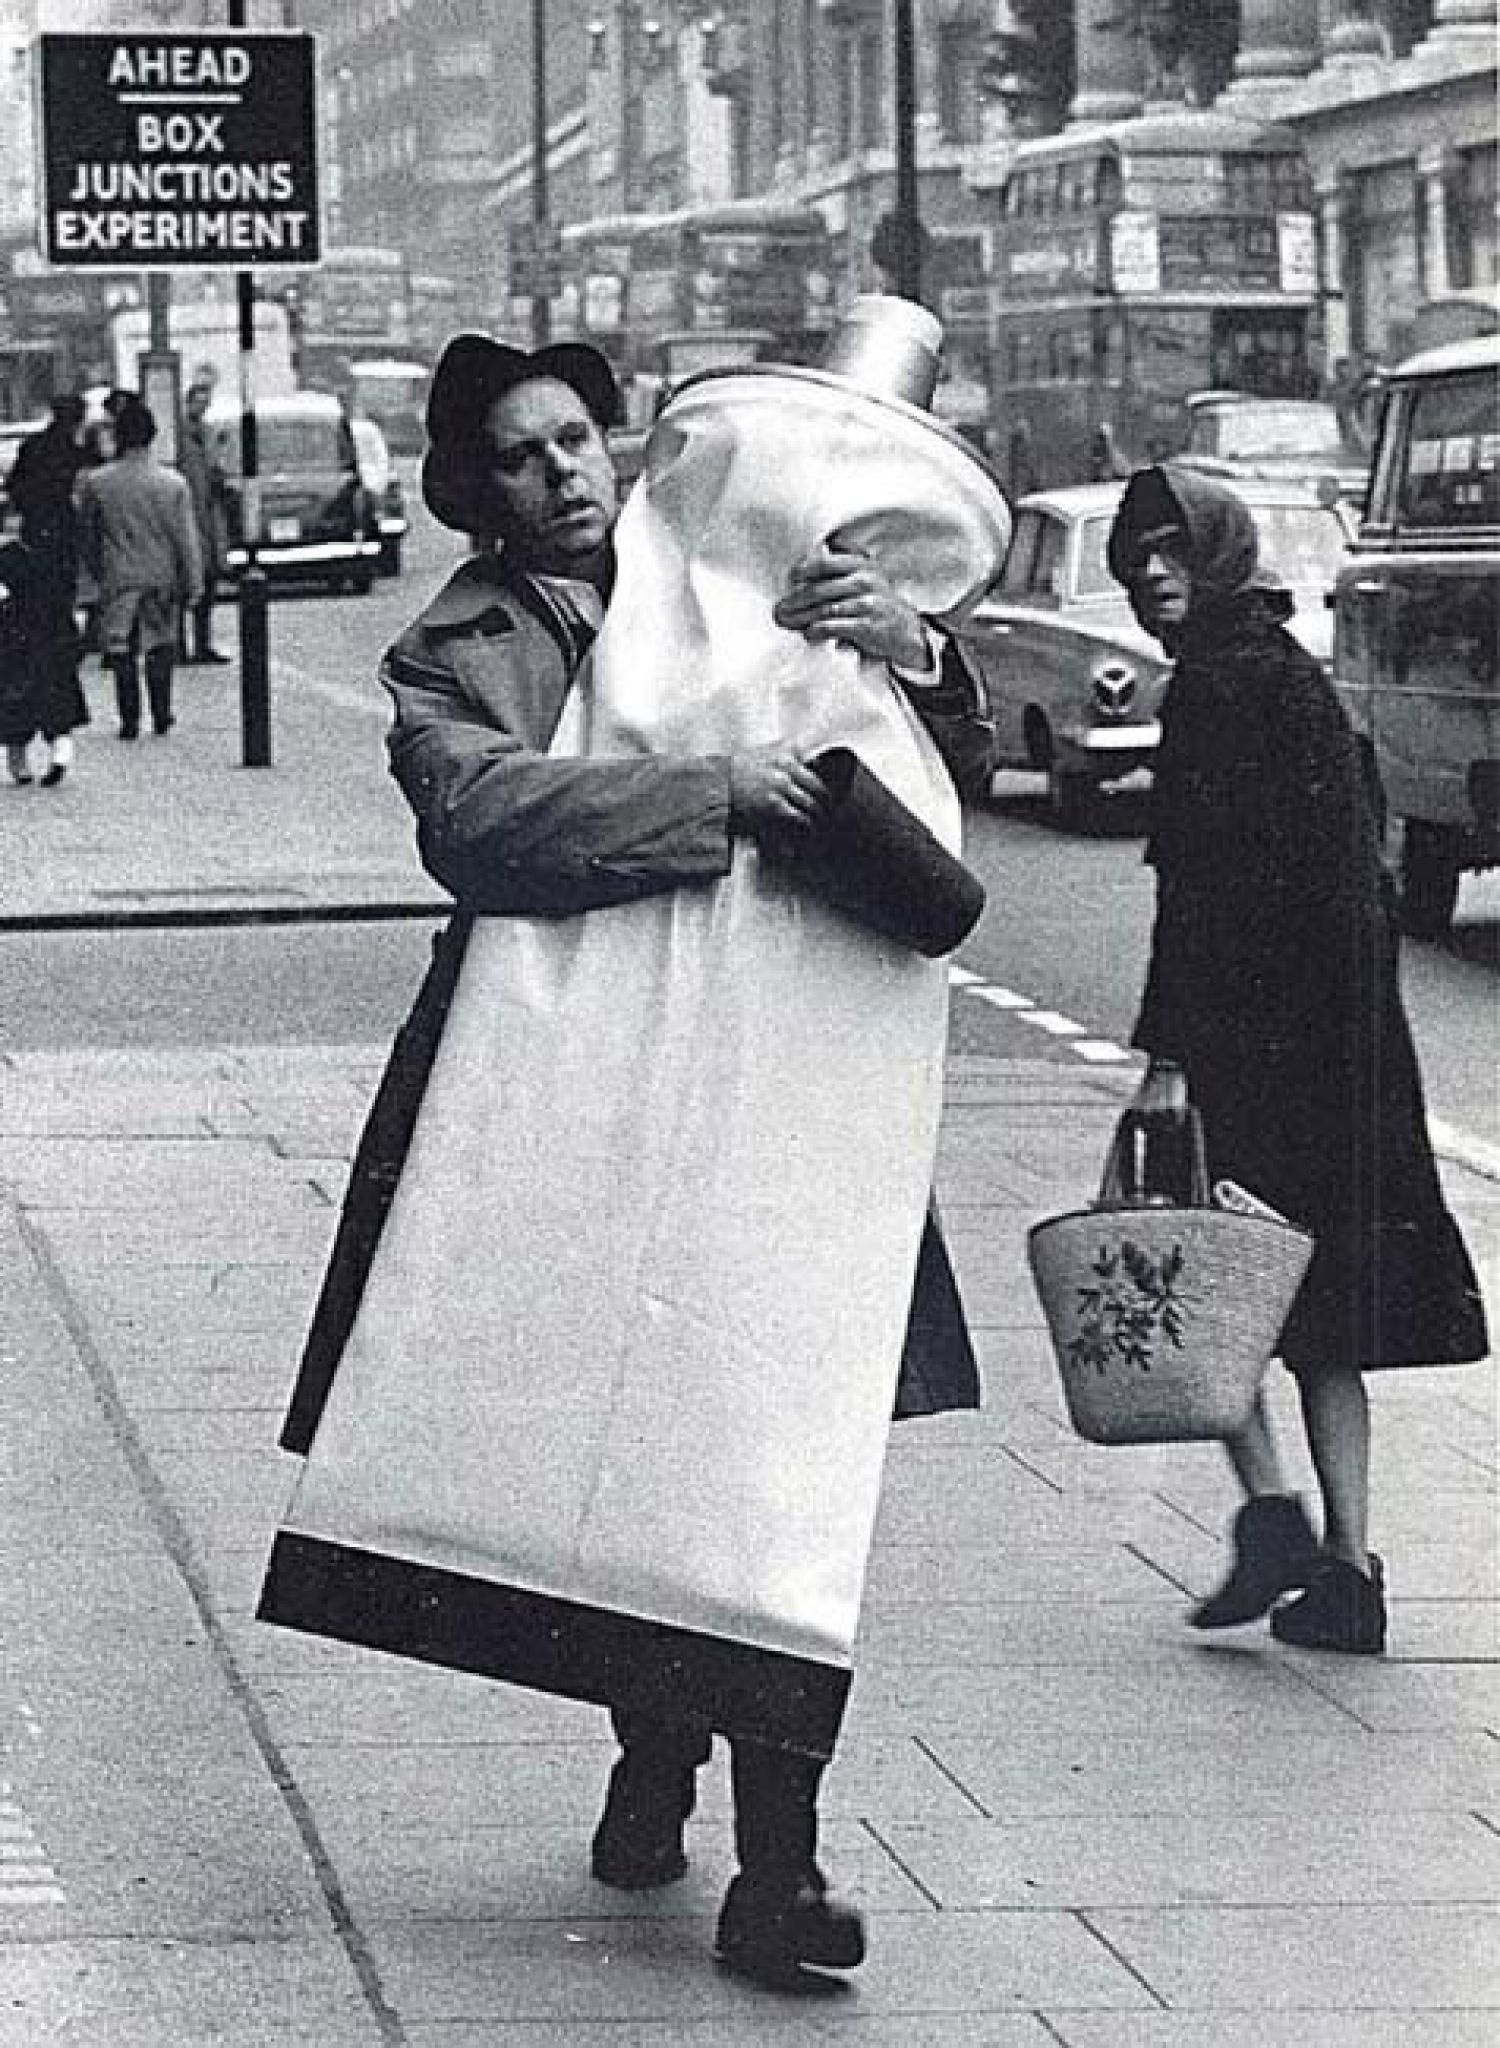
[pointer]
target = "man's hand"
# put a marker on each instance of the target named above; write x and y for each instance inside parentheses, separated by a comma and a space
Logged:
(773, 793)
(838, 592)
(1162, 1098)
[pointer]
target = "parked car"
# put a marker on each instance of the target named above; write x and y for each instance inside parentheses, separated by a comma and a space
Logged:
(392, 391)
(1417, 637)
(1295, 440)
(1074, 686)
(387, 492)
(318, 521)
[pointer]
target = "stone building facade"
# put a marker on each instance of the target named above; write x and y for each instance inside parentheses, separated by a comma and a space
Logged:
(654, 105)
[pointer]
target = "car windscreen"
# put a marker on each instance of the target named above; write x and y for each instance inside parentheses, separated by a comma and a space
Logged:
(1451, 473)
(286, 447)
(1303, 544)
(1247, 431)
(1093, 578)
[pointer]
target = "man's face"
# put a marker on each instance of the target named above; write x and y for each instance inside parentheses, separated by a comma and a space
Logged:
(1160, 581)
(552, 476)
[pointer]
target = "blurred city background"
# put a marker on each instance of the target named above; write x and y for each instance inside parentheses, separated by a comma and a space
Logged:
(1111, 204)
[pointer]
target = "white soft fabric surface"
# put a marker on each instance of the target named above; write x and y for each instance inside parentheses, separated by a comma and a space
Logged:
(632, 1334)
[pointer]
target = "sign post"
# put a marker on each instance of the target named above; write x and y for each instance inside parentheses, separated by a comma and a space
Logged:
(534, 257)
(181, 150)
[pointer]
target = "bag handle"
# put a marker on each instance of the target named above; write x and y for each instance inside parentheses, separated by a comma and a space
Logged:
(1124, 1185)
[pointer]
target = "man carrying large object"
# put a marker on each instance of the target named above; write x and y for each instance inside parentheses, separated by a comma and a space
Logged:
(638, 1255)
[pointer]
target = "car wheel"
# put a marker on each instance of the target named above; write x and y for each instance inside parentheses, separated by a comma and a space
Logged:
(1430, 868)
(362, 582)
(1071, 799)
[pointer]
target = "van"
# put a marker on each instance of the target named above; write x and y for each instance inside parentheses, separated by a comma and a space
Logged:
(318, 522)
(387, 492)
(1417, 614)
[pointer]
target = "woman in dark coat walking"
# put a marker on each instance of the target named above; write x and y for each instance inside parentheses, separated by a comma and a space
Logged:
(1273, 992)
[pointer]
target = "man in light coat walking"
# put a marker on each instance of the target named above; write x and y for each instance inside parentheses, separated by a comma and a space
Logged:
(139, 537)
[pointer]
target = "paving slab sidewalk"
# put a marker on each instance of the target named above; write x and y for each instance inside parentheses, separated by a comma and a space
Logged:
(1070, 1819)
(178, 829)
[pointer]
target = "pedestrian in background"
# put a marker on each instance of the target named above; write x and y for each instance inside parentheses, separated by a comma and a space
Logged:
(42, 483)
(205, 481)
(40, 696)
(140, 539)
(44, 697)
(1273, 1002)
(1106, 462)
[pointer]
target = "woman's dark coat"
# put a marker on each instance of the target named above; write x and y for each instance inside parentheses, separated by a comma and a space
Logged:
(1274, 977)
(39, 649)
(479, 683)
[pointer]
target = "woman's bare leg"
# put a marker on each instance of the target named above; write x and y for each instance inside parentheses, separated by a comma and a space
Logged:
(1336, 1412)
(1253, 1454)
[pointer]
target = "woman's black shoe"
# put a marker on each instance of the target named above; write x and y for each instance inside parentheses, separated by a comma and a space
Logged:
(638, 1843)
(1342, 1609)
(772, 1931)
(1275, 1551)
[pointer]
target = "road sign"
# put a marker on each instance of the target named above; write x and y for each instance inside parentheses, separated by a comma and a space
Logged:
(534, 255)
(185, 150)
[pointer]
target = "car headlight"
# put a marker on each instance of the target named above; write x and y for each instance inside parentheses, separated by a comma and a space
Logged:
(1115, 686)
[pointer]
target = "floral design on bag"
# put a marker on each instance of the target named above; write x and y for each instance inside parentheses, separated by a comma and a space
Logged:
(1136, 1299)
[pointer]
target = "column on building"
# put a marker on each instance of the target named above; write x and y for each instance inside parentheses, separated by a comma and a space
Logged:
(1332, 256)
(1434, 168)
(1354, 35)
(1278, 45)
(1110, 60)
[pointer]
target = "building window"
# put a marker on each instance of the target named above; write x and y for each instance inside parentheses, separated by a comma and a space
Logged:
(870, 113)
(1385, 276)
(466, 134)
(957, 86)
(809, 63)
(464, 57)
(1474, 196)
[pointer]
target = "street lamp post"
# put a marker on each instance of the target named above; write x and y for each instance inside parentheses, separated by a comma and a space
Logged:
(255, 652)
(909, 226)
(541, 297)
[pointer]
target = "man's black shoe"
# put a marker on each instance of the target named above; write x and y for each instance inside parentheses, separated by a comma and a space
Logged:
(771, 1932)
(130, 732)
(1275, 1551)
(208, 657)
(637, 1845)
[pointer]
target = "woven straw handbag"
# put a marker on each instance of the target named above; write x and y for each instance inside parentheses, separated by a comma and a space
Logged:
(1164, 1314)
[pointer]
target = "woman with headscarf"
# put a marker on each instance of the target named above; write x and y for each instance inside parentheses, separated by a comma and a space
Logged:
(1273, 995)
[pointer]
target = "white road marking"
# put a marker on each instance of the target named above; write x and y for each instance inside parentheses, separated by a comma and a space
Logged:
(27, 1878)
(368, 700)
(1002, 998)
(1450, 1141)
(1464, 1148)
(1053, 1023)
